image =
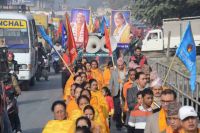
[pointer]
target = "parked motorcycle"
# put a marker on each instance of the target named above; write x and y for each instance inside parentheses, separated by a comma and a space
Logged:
(56, 62)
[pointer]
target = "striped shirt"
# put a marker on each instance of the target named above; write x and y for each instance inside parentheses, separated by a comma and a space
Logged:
(138, 117)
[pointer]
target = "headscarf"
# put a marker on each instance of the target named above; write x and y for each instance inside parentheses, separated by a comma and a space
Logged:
(156, 82)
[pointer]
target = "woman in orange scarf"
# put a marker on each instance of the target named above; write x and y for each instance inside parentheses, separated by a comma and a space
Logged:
(59, 124)
(97, 126)
(72, 105)
(107, 73)
(97, 74)
(73, 79)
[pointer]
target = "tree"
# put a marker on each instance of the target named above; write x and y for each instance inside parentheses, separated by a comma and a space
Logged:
(155, 10)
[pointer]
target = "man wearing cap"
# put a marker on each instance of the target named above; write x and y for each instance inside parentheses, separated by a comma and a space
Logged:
(118, 77)
(156, 87)
(174, 123)
(189, 120)
(157, 123)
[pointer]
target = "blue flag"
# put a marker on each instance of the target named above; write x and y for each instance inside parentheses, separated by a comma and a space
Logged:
(64, 36)
(187, 54)
(104, 21)
(45, 36)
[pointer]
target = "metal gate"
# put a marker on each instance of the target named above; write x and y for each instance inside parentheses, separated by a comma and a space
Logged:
(180, 83)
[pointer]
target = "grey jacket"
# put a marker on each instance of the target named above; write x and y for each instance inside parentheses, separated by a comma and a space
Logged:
(132, 97)
(114, 84)
(152, 124)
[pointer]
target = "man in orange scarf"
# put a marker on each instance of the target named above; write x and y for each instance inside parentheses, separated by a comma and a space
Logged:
(173, 119)
(128, 84)
(157, 123)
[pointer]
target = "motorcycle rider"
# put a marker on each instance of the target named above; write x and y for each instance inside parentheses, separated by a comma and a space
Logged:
(11, 83)
(57, 47)
(56, 61)
(12, 64)
(41, 54)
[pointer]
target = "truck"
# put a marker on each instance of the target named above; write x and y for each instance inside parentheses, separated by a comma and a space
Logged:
(18, 30)
(171, 34)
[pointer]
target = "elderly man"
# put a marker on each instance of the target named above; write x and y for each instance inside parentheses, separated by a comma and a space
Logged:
(78, 29)
(189, 120)
(157, 123)
(118, 77)
(173, 119)
(156, 87)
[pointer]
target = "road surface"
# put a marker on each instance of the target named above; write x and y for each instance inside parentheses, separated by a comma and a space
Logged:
(35, 104)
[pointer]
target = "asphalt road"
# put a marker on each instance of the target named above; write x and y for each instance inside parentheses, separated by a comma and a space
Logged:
(35, 104)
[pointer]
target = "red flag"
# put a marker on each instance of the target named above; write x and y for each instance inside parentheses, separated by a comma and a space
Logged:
(59, 31)
(86, 35)
(107, 40)
(71, 42)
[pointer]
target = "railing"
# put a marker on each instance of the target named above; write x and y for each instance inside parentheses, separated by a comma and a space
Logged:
(180, 83)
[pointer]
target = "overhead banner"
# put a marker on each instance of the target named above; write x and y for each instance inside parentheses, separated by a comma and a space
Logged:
(78, 18)
(120, 25)
(41, 19)
(12, 24)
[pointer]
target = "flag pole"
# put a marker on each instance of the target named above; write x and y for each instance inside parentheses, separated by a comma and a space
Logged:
(113, 61)
(165, 79)
(63, 61)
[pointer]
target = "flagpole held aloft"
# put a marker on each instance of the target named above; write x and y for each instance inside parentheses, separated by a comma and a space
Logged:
(171, 64)
(49, 41)
(63, 61)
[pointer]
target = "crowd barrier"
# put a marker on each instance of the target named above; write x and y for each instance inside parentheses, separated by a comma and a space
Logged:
(180, 83)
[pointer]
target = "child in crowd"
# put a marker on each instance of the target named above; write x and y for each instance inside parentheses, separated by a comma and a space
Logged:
(109, 100)
(139, 100)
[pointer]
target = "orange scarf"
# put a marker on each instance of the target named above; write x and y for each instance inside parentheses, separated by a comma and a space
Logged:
(170, 130)
(162, 120)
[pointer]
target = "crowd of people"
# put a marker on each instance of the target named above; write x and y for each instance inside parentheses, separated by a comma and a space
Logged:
(127, 95)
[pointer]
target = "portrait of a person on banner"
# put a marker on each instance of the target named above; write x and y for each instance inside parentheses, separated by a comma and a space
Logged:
(121, 26)
(79, 16)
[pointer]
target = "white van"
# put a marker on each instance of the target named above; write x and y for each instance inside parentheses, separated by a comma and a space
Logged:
(19, 32)
(157, 40)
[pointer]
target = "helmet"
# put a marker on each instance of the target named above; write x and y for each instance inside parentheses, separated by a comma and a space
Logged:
(10, 54)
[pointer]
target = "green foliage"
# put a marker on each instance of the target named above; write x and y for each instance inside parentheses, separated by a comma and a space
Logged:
(153, 11)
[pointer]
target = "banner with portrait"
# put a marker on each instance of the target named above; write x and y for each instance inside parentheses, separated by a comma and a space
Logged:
(120, 26)
(78, 18)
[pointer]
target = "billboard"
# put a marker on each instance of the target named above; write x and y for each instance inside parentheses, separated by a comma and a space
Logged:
(120, 25)
(78, 18)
